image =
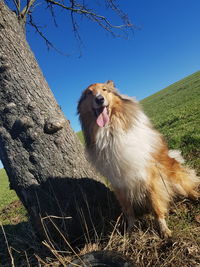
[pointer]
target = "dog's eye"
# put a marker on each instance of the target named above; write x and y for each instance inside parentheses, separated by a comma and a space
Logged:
(89, 92)
(104, 89)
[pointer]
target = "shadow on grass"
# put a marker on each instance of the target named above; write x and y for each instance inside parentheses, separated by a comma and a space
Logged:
(66, 213)
(77, 210)
(18, 244)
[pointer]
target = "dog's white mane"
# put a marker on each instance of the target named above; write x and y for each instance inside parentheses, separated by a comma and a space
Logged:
(125, 155)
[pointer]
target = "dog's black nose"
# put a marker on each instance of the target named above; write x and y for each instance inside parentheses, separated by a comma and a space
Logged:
(99, 99)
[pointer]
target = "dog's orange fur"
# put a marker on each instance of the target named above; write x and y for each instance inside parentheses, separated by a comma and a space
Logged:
(165, 176)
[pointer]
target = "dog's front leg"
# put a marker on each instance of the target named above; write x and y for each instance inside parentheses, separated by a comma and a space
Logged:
(126, 206)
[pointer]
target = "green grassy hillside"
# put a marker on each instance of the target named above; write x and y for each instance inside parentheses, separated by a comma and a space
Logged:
(80, 136)
(11, 210)
(175, 111)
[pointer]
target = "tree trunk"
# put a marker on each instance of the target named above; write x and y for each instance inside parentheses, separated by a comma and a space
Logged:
(39, 150)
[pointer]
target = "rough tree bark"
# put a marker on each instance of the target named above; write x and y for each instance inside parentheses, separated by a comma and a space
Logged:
(40, 152)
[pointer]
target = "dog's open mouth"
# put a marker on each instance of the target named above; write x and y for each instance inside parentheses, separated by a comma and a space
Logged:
(102, 116)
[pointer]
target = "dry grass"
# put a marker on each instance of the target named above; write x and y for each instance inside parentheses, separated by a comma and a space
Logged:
(143, 246)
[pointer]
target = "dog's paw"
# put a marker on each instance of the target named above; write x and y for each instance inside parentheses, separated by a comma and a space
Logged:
(194, 195)
(166, 233)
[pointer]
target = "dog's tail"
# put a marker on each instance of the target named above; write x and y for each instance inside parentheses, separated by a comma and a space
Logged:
(176, 154)
(189, 182)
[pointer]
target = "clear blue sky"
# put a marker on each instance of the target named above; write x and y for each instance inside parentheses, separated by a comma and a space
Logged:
(164, 49)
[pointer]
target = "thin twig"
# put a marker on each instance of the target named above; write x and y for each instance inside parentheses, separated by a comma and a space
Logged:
(48, 43)
(9, 250)
(56, 217)
(28, 264)
(112, 234)
(75, 25)
(17, 6)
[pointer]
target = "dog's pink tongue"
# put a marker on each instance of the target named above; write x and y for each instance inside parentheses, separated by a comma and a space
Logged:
(103, 118)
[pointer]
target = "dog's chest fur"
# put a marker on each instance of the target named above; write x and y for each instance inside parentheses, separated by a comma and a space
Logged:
(123, 156)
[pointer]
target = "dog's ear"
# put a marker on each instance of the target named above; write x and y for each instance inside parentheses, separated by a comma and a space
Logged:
(83, 96)
(110, 83)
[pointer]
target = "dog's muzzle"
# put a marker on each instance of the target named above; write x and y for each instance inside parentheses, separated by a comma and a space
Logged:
(100, 107)
(99, 99)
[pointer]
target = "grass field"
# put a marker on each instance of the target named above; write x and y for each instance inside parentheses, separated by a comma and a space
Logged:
(175, 111)
(11, 211)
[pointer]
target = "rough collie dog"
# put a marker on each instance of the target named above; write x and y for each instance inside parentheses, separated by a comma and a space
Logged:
(125, 148)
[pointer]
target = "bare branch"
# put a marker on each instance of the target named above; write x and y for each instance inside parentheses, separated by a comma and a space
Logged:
(19, 4)
(80, 9)
(26, 9)
(48, 43)
(77, 7)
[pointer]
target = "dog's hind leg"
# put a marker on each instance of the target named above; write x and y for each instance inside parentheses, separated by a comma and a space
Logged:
(160, 210)
(164, 230)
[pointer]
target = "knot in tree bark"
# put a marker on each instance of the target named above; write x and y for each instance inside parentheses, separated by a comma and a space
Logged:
(53, 125)
(10, 107)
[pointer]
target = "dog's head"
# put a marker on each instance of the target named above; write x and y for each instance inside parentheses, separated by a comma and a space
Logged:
(98, 100)
(101, 105)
